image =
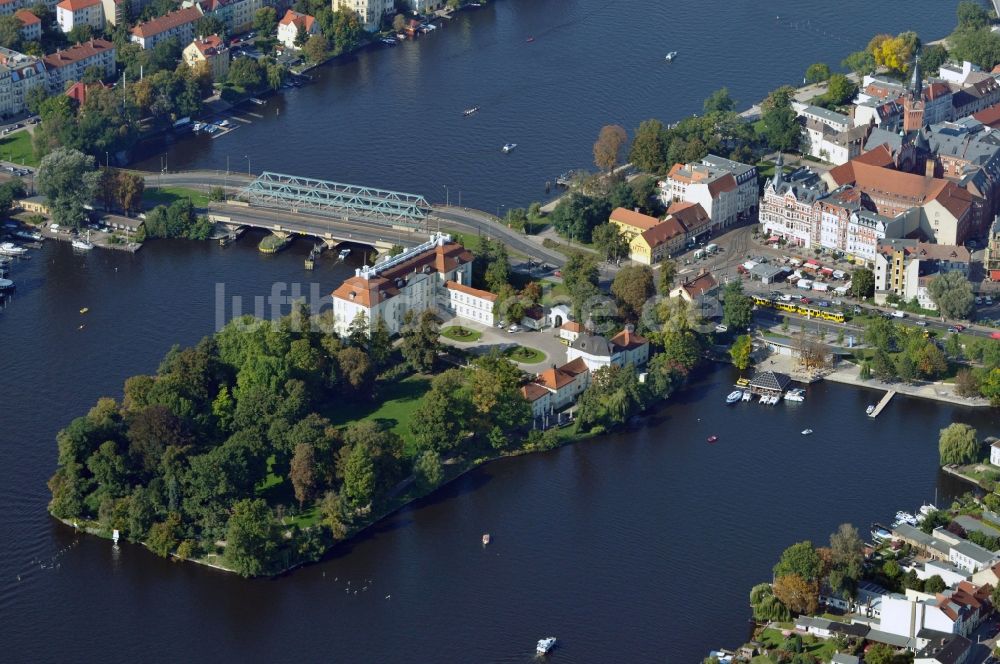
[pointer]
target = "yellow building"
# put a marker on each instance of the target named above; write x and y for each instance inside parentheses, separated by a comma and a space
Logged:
(631, 223)
(662, 240)
(34, 204)
(211, 50)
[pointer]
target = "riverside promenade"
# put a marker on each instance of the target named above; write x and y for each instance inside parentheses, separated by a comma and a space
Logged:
(849, 374)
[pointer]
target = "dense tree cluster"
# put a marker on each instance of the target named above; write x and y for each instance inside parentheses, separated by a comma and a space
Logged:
(178, 220)
(224, 438)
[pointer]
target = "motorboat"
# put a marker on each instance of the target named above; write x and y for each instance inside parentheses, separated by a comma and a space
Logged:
(508, 147)
(545, 645)
(712, 439)
(880, 533)
(670, 56)
(530, 39)
(927, 509)
(734, 396)
(486, 539)
(747, 396)
(795, 394)
(469, 111)
(763, 399)
(344, 253)
(906, 517)
(81, 244)
(6, 285)
(28, 235)
(11, 249)
(259, 102)
(806, 432)
(870, 409)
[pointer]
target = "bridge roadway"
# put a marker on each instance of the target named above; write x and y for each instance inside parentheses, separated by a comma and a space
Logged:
(356, 229)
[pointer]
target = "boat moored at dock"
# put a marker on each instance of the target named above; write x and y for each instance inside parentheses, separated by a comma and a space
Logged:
(795, 394)
(11, 249)
(734, 396)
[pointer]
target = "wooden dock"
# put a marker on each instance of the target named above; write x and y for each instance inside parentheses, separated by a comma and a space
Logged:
(883, 403)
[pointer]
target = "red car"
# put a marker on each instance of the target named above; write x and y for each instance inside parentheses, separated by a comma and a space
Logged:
(805, 300)
(995, 335)
(959, 327)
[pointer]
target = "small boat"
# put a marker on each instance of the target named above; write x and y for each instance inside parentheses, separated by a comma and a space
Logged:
(795, 394)
(6, 285)
(469, 111)
(734, 396)
(344, 253)
(508, 147)
(806, 432)
(530, 39)
(670, 56)
(28, 235)
(545, 645)
(712, 439)
(84, 310)
(81, 244)
(906, 517)
(259, 102)
(880, 533)
(747, 396)
(870, 409)
(11, 249)
(928, 508)
(486, 539)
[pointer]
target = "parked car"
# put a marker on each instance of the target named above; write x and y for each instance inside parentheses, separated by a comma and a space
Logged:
(953, 329)
(514, 328)
(721, 328)
(805, 300)
(922, 323)
(823, 303)
(959, 327)
(502, 324)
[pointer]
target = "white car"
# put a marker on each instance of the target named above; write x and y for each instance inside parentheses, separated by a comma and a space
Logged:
(721, 328)
(514, 328)
(922, 323)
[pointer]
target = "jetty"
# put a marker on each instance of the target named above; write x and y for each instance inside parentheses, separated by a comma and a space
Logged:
(882, 404)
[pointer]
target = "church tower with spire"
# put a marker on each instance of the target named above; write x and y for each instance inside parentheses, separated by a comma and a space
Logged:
(913, 101)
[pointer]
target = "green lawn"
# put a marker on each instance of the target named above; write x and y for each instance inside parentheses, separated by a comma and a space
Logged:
(525, 354)
(823, 650)
(396, 403)
(459, 333)
(167, 195)
(18, 149)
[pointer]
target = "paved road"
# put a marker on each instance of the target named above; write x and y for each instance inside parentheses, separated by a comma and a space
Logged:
(462, 219)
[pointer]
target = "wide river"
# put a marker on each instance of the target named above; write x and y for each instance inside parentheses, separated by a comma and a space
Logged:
(639, 546)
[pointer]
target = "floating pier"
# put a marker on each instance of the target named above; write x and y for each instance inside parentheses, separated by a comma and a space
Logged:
(883, 403)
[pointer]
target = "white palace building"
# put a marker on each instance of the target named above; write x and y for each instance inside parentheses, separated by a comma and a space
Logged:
(435, 275)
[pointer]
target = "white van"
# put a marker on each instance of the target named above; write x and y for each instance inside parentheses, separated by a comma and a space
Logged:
(712, 248)
(899, 314)
(700, 253)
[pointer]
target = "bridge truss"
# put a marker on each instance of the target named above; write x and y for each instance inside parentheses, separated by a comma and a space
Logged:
(294, 193)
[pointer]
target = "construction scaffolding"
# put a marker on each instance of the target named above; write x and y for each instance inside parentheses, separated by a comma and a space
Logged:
(295, 193)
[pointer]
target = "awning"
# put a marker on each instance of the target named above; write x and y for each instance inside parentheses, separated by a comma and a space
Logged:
(774, 238)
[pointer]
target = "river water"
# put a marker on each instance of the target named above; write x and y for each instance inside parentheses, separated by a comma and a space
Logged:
(638, 546)
(392, 117)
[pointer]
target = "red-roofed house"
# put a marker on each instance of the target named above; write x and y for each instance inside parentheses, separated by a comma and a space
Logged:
(695, 287)
(290, 25)
(69, 65)
(470, 303)
(73, 13)
(8, 7)
(715, 189)
(31, 25)
(631, 222)
(653, 245)
(211, 50)
(556, 387)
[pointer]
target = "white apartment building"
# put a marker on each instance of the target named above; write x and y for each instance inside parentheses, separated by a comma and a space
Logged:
(236, 15)
(370, 11)
(31, 25)
(19, 73)
(433, 275)
(291, 23)
(69, 65)
(597, 352)
(714, 187)
(178, 24)
(73, 13)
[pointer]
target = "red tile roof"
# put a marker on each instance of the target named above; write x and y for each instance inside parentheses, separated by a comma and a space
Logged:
(76, 53)
(699, 285)
(77, 5)
(209, 45)
(691, 215)
(572, 326)
(533, 391)
(304, 21)
(633, 218)
(26, 17)
(628, 340)
(469, 290)
(989, 116)
(663, 232)
(167, 22)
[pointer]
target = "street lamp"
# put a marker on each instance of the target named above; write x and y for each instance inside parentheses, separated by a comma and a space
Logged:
(248, 164)
(447, 196)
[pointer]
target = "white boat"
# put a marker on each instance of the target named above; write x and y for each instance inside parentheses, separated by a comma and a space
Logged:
(344, 253)
(747, 396)
(508, 147)
(28, 235)
(734, 396)
(670, 56)
(470, 111)
(486, 539)
(906, 517)
(806, 432)
(927, 509)
(545, 645)
(81, 244)
(880, 534)
(870, 409)
(763, 399)
(259, 102)
(795, 394)
(11, 249)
